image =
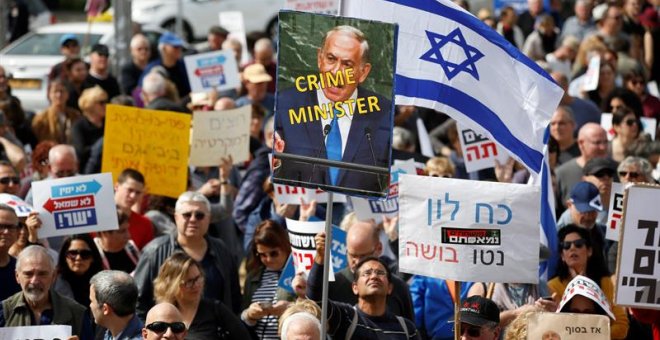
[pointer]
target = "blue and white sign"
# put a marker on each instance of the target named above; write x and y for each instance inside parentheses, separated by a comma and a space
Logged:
(75, 205)
(212, 70)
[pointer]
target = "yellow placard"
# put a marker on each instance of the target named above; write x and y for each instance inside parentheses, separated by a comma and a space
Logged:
(156, 143)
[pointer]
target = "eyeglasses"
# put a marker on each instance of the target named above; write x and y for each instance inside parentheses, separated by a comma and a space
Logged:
(161, 327)
(271, 254)
(198, 215)
(85, 254)
(598, 142)
(378, 272)
(65, 173)
(9, 227)
(630, 122)
(12, 179)
(630, 174)
(566, 245)
(192, 282)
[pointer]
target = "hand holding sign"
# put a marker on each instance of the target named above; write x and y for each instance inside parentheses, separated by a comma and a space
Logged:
(33, 223)
(319, 239)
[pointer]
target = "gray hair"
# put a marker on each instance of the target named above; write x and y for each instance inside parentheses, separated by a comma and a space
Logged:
(300, 317)
(643, 164)
(568, 111)
(117, 289)
(58, 151)
(153, 84)
(192, 196)
(138, 40)
(263, 44)
(31, 252)
(355, 33)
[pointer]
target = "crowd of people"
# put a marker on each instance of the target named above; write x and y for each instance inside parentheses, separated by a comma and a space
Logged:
(207, 265)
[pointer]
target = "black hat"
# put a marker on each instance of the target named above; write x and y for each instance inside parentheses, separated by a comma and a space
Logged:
(596, 165)
(101, 49)
(218, 30)
(478, 311)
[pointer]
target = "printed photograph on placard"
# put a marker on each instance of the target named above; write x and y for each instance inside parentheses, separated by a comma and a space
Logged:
(334, 101)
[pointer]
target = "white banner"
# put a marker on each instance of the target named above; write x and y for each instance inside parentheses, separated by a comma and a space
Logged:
(233, 22)
(366, 209)
(218, 134)
(303, 245)
(212, 70)
(75, 205)
(479, 152)
(615, 212)
(469, 230)
(638, 264)
(35, 332)
(330, 7)
(568, 326)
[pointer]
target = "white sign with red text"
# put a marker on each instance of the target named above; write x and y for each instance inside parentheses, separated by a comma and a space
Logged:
(479, 152)
(303, 244)
(615, 212)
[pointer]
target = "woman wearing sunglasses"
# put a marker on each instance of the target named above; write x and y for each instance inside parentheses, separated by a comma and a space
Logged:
(181, 283)
(628, 134)
(79, 260)
(263, 302)
(577, 258)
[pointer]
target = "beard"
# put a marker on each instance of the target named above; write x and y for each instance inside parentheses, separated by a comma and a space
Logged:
(34, 293)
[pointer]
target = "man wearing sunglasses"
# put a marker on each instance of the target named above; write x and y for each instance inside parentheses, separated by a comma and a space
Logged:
(480, 319)
(10, 183)
(9, 229)
(164, 321)
(192, 215)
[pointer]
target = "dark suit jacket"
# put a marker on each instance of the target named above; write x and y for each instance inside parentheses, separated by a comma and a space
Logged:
(307, 139)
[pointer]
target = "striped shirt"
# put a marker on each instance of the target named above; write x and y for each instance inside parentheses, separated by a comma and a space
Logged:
(266, 327)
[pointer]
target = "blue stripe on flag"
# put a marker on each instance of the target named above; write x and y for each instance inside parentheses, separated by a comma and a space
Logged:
(466, 19)
(548, 224)
(472, 108)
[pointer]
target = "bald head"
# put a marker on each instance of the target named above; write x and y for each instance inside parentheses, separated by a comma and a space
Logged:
(62, 161)
(592, 141)
(362, 241)
(163, 312)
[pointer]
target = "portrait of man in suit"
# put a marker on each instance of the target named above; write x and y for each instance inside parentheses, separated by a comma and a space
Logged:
(330, 114)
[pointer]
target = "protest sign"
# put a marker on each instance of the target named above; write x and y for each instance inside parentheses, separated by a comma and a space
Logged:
(584, 286)
(21, 208)
(649, 125)
(366, 209)
(568, 326)
(219, 134)
(334, 113)
(303, 245)
(478, 151)
(638, 263)
(233, 22)
(213, 70)
(330, 7)
(75, 205)
(468, 230)
(339, 260)
(156, 143)
(615, 212)
(590, 81)
(54, 332)
(286, 194)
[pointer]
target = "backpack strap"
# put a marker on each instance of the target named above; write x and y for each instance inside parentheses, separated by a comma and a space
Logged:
(351, 328)
(402, 321)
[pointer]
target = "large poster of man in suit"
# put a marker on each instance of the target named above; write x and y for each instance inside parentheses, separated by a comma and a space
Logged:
(334, 103)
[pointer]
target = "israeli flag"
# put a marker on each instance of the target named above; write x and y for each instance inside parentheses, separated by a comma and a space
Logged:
(450, 61)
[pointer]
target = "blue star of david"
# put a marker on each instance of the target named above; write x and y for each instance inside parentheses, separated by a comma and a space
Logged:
(434, 55)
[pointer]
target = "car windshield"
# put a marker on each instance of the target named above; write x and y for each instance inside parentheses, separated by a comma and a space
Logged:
(49, 44)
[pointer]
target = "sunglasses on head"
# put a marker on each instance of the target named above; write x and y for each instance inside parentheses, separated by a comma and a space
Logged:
(566, 245)
(85, 254)
(161, 327)
(11, 179)
(198, 215)
(630, 174)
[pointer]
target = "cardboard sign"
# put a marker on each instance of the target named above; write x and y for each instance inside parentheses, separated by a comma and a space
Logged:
(568, 326)
(75, 205)
(330, 7)
(638, 264)
(584, 286)
(469, 230)
(21, 208)
(213, 70)
(648, 125)
(339, 260)
(219, 134)
(59, 332)
(479, 152)
(338, 113)
(303, 245)
(156, 143)
(233, 22)
(615, 212)
(366, 209)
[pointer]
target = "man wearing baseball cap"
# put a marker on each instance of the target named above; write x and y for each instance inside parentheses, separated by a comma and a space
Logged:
(480, 319)
(256, 81)
(69, 48)
(170, 47)
(584, 205)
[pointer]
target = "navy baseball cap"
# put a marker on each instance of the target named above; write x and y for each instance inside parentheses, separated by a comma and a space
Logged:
(478, 311)
(169, 38)
(68, 37)
(586, 198)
